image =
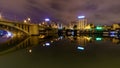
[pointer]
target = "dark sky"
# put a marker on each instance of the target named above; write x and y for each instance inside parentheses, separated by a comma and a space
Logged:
(97, 11)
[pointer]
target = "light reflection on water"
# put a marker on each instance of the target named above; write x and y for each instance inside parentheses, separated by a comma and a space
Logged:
(80, 42)
(60, 52)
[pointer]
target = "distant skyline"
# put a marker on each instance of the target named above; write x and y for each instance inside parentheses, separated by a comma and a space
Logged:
(97, 11)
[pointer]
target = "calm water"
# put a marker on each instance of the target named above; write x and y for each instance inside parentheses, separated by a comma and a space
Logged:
(59, 52)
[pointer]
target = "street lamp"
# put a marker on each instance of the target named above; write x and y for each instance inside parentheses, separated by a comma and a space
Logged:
(28, 19)
(25, 21)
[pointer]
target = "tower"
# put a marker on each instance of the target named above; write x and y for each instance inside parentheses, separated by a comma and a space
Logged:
(82, 22)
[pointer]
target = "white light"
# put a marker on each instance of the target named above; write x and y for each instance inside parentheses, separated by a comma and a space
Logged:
(80, 17)
(47, 44)
(30, 51)
(9, 34)
(47, 19)
(29, 19)
(25, 21)
(80, 48)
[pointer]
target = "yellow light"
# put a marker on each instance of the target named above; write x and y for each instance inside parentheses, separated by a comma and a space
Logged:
(40, 24)
(42, 36)
(30, 50)
(87, 27)
(25, 21)
(88, 38)
(52, 41)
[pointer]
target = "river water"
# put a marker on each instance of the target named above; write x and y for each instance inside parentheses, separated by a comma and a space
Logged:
(60, 52)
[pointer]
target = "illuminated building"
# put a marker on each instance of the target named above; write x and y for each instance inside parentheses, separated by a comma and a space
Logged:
(115, 26)
(83, 40)
(82, 22)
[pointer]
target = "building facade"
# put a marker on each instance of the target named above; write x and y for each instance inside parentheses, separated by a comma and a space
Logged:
(82, 23)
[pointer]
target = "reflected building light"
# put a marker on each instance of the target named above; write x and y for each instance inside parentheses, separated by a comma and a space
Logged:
(30, 51)
(52, 41)
(98, 39)
(88, 38)
(112, 32)
(9, 34)
(72, 33)
(112, 35)
(60, 38)
(47, 44)
(56, 39)
(80, 48)
(43, 44)
(42, 36)
(1, 32)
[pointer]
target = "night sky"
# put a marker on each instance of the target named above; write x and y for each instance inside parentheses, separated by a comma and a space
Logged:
(97, 11)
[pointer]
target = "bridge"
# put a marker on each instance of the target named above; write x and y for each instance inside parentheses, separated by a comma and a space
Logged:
(19, 28)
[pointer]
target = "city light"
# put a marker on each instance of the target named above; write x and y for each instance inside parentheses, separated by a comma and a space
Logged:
(6, 34)
(113, 34)
(30, 51)
(60, 38)
(80, 48)
(88, 27)
(80, 17)
(28, 19)
(1, 32)
(46, 44)
(9, 34)
(98, 39)
(88, 38)
(47, 19)
(99, 28)
(25, 21)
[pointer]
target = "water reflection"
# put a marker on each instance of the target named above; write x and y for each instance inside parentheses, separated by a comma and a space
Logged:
(83, 40)
(20, 42)
(52, 50)
(79, 42)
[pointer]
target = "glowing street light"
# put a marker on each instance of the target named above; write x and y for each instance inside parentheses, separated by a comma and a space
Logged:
(25, 21)
(28, 19)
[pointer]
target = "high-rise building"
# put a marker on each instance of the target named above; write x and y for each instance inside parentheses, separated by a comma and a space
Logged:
(82, 23)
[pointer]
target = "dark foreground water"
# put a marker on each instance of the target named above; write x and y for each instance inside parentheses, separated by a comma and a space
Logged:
(60, 52)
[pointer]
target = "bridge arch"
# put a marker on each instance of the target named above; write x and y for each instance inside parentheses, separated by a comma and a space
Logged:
(12, 26)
